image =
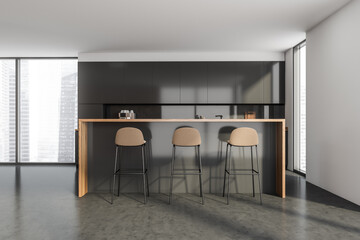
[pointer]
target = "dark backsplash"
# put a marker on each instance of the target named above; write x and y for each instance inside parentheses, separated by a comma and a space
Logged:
(190, 111)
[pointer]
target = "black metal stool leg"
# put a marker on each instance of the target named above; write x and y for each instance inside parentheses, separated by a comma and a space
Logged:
(119, 157)
(257, 160)
(144, 171)
(198, 161)
(147, 168)
(229, 171)
(114, 176)
(172, 174)
(226, 156)
(200, 175)
(252, 171)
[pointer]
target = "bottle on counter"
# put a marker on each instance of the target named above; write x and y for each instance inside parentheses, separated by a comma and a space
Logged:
(132, 114)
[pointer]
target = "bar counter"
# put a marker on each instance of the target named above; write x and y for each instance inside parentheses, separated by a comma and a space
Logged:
(207, 126)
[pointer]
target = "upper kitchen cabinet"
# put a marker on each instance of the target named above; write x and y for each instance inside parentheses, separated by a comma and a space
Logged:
(274, 82)
(100, 82)
(137, 86)
(193, 82)
(222, 80)
(181, 82)
(166, 80)
(249, 87)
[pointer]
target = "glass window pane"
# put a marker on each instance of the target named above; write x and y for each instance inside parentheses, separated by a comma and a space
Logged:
(7, 111)
(48, 110)
(302, 165)
(300, 107)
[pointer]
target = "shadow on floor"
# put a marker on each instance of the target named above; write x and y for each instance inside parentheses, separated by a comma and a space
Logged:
(298, 187)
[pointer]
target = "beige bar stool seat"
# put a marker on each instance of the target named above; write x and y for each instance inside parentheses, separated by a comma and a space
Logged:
(242, 137)
(130, 137)
(186, 137)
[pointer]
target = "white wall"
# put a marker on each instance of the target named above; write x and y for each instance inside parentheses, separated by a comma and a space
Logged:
(333, 103)
(289, 104)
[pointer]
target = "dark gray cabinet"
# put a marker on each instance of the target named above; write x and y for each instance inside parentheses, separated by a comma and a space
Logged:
(222, 81)
(166, 80)
(274, 82)
(249, 87)
(100, 82)
(137, 85)
(193, 82)
(181, 82)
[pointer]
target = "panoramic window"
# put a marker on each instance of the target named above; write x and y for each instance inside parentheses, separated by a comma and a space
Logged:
(7, 110)
(48, 110)
(38, 110)
(300, 107)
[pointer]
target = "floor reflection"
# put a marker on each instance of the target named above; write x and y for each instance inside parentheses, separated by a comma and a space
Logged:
(40, 202)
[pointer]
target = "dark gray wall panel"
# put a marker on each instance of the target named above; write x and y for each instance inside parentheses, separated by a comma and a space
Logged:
(90, 111)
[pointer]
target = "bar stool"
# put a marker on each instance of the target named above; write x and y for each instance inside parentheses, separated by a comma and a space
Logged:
(186, 137)
(242, 137)
(130, 137)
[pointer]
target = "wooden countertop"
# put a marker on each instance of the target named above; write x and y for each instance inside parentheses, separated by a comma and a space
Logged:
(183, 120)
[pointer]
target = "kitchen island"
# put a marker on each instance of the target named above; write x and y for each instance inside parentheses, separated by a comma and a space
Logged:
(97, 151)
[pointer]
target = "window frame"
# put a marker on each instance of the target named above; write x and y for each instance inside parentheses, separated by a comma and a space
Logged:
(17, 86)
(296, 107)
(16, 112)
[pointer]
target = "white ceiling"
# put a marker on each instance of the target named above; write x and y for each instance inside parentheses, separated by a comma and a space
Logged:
(67, 27)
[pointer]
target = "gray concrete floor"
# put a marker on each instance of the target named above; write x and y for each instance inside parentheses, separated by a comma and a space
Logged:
(39, 202)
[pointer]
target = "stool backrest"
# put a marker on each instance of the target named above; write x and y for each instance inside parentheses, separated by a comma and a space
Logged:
(129, 136)
(186, 136)
(244, 137)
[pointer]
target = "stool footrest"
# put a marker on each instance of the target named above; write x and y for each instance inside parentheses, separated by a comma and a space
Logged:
(140, 172)
(244, 169)
(129, 173)
(175, 174)
(187, 169)
(236, 173)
